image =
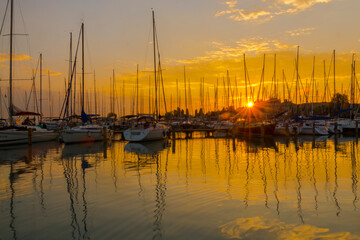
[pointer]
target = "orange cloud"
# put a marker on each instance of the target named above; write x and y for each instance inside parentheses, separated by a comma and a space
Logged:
(51, 72)
(300, 31)
(256, 45)
(4, 57)
(265, 10)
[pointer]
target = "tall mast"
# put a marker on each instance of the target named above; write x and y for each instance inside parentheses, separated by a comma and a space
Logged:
(123, 95)
(297, 78)
(113, 93)
(1, 116)
(154, 33)
(217, 95)
(262, 84)
(50, 102)
(11, 110)
(275, 82)
(283, 75)
(313, 87)
(70, 72)
(334, 83)
(186, 107)
(177, 97)
(83, 68)
(41, 113)
(246, 92)
(95, 94)
(150, 100)
(228, 88)
(352, 86)
(137, 89)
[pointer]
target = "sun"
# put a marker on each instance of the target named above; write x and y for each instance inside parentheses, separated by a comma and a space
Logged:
(250, 104)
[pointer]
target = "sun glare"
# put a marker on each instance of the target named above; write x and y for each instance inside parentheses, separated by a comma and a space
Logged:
(250, 104)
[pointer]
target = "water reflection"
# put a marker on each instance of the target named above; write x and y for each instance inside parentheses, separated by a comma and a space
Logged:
(148, 154)
(183, 189)
(146, 148)
(75, 150)
(76, 161)
(262, 228)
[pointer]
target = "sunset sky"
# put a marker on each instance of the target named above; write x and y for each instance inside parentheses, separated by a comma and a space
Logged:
(208, 37)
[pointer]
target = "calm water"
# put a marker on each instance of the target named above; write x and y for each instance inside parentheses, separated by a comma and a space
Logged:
(188, 189)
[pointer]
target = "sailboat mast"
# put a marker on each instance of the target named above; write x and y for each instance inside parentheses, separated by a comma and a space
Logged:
(334, 84)
(154, 32)
(41, 87)
(1, 116)
(150, 100)
(313, 87)
(123, 95)
(95, 94)
(297, 79)
(177, 97)
(73, 90)
(228, 89)
(11, 110)
(186, 107)
(113, 93)
(246, 92)
(275, 81)
(83, 68)
(352, 87)
(283, 75)
(137, 89)
(50, 102)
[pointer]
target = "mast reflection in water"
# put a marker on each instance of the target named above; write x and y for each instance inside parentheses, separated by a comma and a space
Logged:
(182, 189)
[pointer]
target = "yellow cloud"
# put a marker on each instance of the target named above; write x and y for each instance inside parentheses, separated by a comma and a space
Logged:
(4, 57)
(253, 46)
(265, 10)
(300, 31)
(51, 72)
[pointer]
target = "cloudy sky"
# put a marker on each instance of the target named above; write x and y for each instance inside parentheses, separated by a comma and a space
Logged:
(207, 36)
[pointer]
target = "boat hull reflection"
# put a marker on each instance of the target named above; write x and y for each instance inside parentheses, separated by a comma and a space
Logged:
(78, 149)
(146, 148)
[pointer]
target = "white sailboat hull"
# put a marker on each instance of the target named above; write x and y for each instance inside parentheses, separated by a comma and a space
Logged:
(308, 130)
(13, 137)
(80, 135)
(283, 130)
(148, 134)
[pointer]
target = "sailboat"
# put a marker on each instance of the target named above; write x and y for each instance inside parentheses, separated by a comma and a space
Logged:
(19, 134)
(85, 132)
(148, 128)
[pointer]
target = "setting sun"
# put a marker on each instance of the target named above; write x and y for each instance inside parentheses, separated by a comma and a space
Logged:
(250, 104)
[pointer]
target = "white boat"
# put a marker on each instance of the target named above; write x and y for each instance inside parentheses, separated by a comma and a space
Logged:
(85, 133)
(20, 135)
(286, 129)
(348, 126)
(146, 129)
(331, 126)
(307, 128)
(223, 125)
